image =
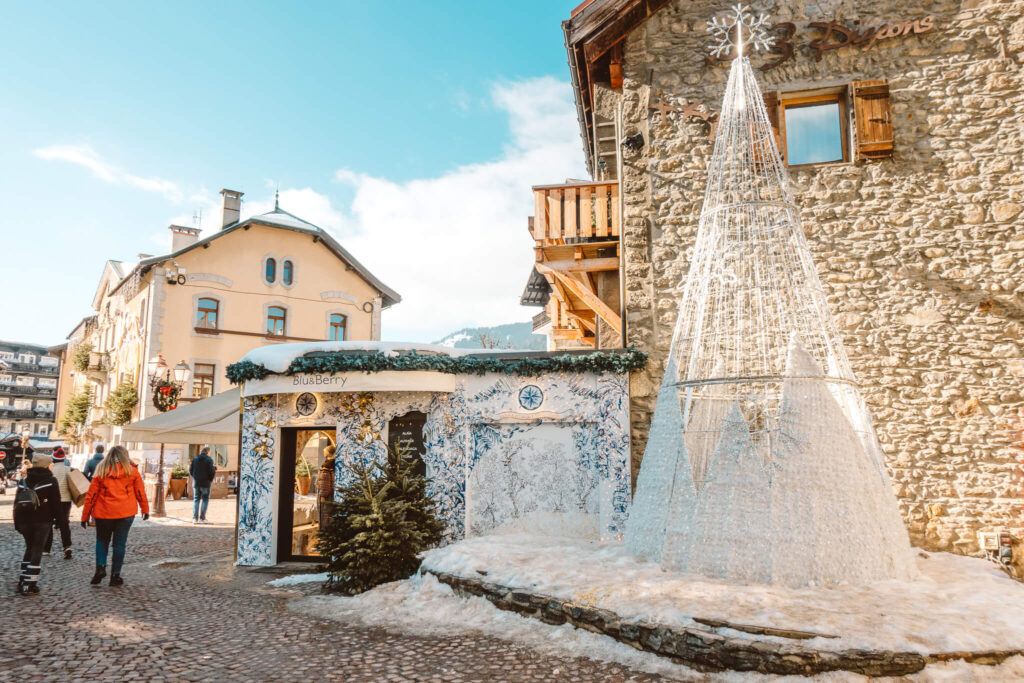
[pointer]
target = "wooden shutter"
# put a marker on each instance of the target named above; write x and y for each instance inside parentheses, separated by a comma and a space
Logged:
(873, 118)
(771, 103)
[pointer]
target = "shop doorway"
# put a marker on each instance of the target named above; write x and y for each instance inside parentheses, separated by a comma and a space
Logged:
(299, 507)
(405, 436)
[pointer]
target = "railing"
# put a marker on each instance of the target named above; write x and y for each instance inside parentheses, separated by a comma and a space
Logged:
(540, 320)
(31, 367)
(564, 214)
(21, 390)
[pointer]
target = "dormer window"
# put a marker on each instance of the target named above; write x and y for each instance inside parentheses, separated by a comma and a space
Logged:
(270, 271)
(287, 271)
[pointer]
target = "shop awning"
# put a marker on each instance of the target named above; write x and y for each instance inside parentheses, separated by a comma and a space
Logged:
(212, 420)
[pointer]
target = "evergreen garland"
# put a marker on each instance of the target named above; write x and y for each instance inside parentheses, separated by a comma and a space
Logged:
(596, 362)
(380, 524)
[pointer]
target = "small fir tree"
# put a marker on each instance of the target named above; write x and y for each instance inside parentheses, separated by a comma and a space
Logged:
(80, 358)
(120, 404)
(72, 422)
(382, 521)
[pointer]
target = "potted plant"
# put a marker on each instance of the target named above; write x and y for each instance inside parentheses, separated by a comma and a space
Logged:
(179, 478)
(303, 476)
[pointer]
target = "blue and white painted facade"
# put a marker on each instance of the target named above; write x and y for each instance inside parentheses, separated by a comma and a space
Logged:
(541, 454)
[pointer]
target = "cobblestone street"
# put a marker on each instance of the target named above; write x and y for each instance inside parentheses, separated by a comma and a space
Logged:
(194, 616)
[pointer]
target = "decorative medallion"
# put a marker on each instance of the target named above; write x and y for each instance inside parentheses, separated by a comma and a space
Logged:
(530, 397)
(305, 404)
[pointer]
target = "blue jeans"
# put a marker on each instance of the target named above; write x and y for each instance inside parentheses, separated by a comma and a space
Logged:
(200, 493)
(118, 529)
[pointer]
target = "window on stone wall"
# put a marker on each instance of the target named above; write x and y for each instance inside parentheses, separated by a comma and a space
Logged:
(270, 271)
(812, 128)
(287, 272)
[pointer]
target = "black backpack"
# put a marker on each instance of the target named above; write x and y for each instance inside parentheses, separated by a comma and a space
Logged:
(26, 499)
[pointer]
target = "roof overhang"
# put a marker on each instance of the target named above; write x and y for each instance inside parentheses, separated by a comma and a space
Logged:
(594, 28)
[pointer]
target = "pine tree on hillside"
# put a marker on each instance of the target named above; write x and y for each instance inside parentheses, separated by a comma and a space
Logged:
(382, 521)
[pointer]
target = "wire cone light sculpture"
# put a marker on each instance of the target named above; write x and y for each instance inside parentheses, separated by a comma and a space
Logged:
(762, 462)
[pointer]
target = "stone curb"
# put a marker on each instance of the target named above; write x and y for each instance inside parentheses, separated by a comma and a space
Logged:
(705, 649)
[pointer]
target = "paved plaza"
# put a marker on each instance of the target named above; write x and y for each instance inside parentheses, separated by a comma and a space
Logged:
(186, 613)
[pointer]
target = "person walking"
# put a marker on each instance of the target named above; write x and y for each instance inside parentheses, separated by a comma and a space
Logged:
(115, 494)
(36, 509)
(93, 462)
(325, 483)
(202, 470)
(61, 471)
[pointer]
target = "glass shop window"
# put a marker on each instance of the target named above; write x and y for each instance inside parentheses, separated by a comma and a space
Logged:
(813, 129)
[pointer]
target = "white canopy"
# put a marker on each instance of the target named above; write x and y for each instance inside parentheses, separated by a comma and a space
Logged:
(212, 420)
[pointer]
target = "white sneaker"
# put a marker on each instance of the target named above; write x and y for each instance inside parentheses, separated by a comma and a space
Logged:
(195, 521)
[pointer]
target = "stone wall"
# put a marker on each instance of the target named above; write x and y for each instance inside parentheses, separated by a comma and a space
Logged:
(921, 254)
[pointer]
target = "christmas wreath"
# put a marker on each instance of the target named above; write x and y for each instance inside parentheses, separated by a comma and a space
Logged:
(165, 396)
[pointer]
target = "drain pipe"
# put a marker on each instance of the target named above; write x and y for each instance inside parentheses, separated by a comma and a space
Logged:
(622, 222)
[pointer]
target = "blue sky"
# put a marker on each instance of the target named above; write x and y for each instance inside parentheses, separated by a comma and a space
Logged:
(376, 120)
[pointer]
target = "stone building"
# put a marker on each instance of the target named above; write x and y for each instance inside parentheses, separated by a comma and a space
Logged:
(28, 389)
(901, 124)
(258, 281)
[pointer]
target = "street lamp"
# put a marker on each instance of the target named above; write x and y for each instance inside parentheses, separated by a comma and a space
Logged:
(160, 372)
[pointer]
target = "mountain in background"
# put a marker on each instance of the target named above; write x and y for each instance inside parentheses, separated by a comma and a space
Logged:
(518, 336)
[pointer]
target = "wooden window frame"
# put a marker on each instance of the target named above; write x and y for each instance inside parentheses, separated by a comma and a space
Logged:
(199, 381)
(331, 326)
(797, 100)
(283, 318)
(287, 272)
(270, 268)
(200, 310)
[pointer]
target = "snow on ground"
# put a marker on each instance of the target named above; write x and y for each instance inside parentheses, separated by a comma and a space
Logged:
(423, 606)
(293, 579)
(959, 603)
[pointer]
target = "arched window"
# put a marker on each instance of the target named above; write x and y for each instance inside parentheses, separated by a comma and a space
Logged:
(276, 318)
(286, 272)
(336, 331)
(271, 271)
(207, 311)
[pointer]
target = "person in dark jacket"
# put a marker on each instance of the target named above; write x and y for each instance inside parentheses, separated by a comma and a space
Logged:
(202, 470)
(93, 462)
(35, 524)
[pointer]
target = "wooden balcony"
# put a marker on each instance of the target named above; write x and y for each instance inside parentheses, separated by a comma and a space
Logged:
(568, 214)
(576, 230)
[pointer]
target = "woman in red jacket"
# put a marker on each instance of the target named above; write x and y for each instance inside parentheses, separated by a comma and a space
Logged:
(115, 495)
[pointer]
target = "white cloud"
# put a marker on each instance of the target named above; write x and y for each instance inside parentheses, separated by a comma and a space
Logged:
(87, 157)
(456, 246)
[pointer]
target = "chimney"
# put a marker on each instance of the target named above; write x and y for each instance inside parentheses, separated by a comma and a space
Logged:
(182, 237)
(231, 208)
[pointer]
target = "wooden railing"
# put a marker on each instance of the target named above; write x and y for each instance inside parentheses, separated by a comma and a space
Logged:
(578, 212)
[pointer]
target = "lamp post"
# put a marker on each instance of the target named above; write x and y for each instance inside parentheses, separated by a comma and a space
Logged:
(159, 373)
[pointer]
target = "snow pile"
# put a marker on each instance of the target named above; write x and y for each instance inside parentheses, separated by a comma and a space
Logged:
(425, 607)
(293, 579)
(957, 603)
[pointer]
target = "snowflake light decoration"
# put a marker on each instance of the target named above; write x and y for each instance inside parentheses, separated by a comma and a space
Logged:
(738, 27)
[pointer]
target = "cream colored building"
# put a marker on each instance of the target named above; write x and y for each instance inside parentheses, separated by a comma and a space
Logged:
(265, 280)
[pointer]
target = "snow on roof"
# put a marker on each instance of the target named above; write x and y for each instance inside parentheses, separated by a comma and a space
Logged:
(278, 357)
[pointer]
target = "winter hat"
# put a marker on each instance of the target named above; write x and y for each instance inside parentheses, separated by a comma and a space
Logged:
(41, 460)
(58, 454)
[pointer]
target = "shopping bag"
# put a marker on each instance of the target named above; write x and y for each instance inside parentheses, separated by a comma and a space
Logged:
(78, 485)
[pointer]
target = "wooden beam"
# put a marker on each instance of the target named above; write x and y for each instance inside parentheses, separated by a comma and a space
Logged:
(584, 293)
(566, 333)
(584, 265)
(589, 324)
